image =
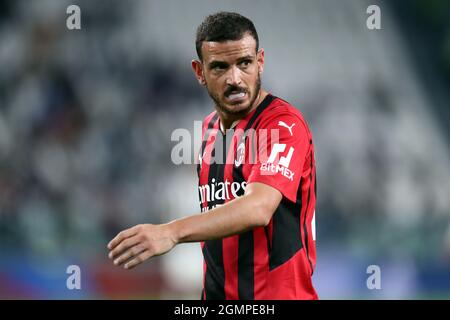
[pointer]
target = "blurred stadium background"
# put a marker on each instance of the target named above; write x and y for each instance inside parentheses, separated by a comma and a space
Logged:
(86, 118)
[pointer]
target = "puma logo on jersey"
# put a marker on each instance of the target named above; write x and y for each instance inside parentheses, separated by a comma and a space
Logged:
(283, 124)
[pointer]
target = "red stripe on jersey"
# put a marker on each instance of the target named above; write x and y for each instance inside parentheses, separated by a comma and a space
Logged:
(230, 261)
(291, 280)
(261, 264)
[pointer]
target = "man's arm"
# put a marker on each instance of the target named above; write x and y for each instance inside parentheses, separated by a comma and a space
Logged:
(254, 209)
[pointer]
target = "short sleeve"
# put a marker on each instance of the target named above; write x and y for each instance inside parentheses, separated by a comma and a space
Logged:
(282, 146)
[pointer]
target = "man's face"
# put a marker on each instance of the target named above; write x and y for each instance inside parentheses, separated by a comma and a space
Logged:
(231, 72)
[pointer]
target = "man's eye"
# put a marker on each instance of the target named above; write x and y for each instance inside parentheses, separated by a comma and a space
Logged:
(246, 63)
(218, 67)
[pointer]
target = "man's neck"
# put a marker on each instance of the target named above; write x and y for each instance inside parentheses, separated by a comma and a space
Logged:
(227, 121)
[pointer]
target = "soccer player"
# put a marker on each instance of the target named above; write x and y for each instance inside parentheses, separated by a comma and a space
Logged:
(257, 196)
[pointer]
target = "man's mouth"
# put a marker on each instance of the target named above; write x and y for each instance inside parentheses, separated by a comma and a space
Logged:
(236, 95)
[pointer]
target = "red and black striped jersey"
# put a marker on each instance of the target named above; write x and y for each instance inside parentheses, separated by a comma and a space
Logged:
(271, 145)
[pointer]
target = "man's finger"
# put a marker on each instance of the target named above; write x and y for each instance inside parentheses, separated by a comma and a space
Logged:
(129, 254)
(123, 246)
(138, 260)
(122, 236)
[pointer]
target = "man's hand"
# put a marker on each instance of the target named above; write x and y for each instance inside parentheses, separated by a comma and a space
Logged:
(254, 209)
(133, 246)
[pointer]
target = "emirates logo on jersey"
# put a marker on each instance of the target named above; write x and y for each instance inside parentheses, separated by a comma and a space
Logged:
(221, 191)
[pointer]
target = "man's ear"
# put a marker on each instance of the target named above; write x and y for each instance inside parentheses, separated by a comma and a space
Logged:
(197, 67)
(260, 60)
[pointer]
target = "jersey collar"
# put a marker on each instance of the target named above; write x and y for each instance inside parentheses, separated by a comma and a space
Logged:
(233, 125)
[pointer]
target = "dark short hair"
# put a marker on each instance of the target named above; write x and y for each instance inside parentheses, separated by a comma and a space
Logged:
(223, 26)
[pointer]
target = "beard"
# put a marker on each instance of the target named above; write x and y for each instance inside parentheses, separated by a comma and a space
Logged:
(226, 109)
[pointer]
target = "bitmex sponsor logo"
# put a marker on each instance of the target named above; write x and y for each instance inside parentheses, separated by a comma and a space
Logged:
(271, 167)
(221, 191)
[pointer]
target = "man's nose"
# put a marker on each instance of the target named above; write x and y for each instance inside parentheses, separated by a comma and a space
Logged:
(234, 76)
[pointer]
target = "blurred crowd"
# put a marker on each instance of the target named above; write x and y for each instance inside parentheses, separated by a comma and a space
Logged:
(85, 127)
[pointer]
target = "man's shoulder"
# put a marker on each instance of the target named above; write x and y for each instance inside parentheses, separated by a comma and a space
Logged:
(281, 110)
(209, 118)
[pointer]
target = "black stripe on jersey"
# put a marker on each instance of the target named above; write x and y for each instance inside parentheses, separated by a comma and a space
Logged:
(215, 274)
(246, 278)
(305, 229)
(213, 249)
(262, 106)
(205, 139)
(286, 232)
